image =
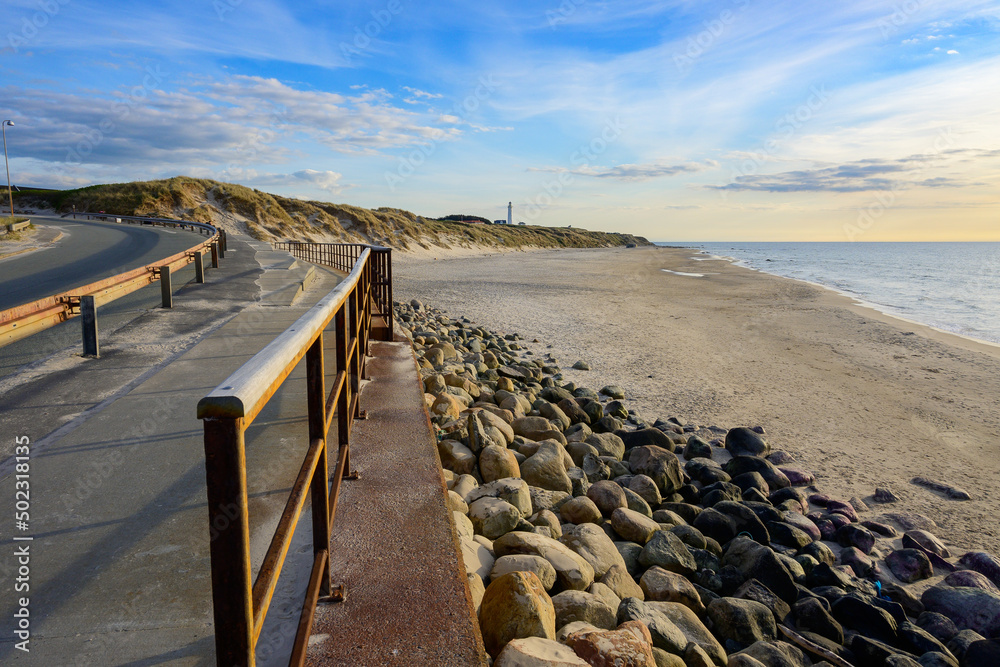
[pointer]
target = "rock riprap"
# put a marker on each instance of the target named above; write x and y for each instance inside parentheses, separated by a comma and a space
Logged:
(592, 535)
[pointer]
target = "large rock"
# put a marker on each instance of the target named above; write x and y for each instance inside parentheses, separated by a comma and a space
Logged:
(512, 490)
(692, 628)
(744, 442)
(756, 561)
(983, 563)
(739, 465)
(493, 517)
(514, 606)
(546, 468)
(537, 565)
(659, 464)
(621, 582)
(538, 652)
(777, 654)
(572, 570)
(628, 646)
(811, 615)
(580, 510)
(970, 608)
(661, 585)
(608, 496)
(866, 618)
(909, 565)
(447, 405)
(457, 458)
(582, 606)
(669, 552)
(593, 545)
(607, 444)
(743, 622)
(633, 526)
(497, 462)
(477, 558)
(665, 634)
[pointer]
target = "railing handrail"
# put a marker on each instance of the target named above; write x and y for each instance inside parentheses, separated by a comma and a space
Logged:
(28, 318)
(241, 395)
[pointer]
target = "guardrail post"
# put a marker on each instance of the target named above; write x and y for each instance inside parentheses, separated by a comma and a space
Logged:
(88, 318)
(229, 530)
(165, 291)
(320, 485)
(215, 255)
(199, 267)
(222, 246)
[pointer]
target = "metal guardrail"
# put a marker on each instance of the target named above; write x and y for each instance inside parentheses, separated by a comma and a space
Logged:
(240, 607)
(30, 318)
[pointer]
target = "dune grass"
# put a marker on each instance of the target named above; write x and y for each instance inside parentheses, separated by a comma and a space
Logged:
(271, 217)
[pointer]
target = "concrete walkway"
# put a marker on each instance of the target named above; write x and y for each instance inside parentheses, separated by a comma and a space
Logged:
(119, 567)
(119, 561)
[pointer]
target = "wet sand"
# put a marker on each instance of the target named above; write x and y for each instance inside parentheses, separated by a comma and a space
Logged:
(861, 399)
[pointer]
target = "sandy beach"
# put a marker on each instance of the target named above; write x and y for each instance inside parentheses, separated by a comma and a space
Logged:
(860, 399)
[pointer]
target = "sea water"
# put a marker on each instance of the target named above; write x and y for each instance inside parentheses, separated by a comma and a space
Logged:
(953, 287)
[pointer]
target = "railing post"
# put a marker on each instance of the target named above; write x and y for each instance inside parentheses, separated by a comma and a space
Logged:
(320, 485)
(229, 530)
(165, 291)
(88, 318)
(199, 267)
(222, 246)
(215, 255)
(344, 402)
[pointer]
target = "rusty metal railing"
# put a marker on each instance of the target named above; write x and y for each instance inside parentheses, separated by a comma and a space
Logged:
(240, 606)
(30, 318)
(342, 257)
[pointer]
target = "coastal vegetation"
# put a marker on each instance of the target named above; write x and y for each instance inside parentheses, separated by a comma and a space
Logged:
(270, 217)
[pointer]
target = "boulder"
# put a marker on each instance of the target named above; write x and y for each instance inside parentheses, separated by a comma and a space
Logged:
(546, 469)
(666, 550)
(582, 606)
(983, 563)
(660, 585)
(739, 465)
(909, 565)
(607, 444)
(628, 646)
(633, 526)
(457, 458)
(496, 462)
(744, 622)
(477, 557)
(970, 608)
(537, 565)
(493, 517)
(608, 496)
(572, 571)
(515, 606)
(593, 545)
(512, 490)
(744, 442)
(659, 464)
(664, 633)
(692, 627)
(621, 582)
(758, 562)
(537, 652)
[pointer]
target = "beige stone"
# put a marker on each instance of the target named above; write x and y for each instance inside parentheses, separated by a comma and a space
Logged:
(515, 606)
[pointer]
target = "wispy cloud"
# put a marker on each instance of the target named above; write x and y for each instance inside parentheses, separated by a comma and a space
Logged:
(634, 172)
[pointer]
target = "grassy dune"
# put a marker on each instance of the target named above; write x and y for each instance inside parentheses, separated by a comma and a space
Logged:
(272, 217)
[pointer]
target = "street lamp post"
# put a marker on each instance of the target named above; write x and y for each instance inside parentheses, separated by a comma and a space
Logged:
(10, 195)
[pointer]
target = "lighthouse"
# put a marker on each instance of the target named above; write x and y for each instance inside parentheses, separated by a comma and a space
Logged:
(510, 212)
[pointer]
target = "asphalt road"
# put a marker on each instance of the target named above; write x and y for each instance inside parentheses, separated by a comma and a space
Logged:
(87, 252)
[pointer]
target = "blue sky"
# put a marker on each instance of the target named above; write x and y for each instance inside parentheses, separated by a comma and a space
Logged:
(729, 120)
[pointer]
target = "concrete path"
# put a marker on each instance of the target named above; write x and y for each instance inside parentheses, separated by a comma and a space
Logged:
(119, 562)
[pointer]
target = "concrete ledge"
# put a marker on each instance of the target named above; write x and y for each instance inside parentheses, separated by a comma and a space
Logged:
(393, 544)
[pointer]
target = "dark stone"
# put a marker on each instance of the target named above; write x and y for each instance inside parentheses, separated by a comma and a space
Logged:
(826, 575)
(873, 653)
(971, 608)
(774, 654)
(759, 562)
(984, 652)
(746, 520)
(882, 529)
(696, 447)
(918, 641)
(934, 659)
(658, 464)
(938, 625)
(970, 579)
(669, 552)
(788, 535)
(755, 496)
(901, 595)
(647, 437)
(885, 496)
(867, 619)
(960, 643)
(742, 622)
(790, 493)
(983, 563)
(716, 493)
(751, 480)
(706, 560)
(742, 464)
(853, 535)
(811, 615)
(686, 511)
(690, 536)
(573, 410)
(839, 650)
(713, 523)
(744, 442)
(909, 565)
(754, 590)
(665, 634)
(840, 507)
(766, 511)
(820, 552)
(803, 523)
(926, 541)
(606, 424)
(860, 563)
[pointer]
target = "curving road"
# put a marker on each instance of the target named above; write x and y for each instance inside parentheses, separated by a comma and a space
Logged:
(87, 252)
